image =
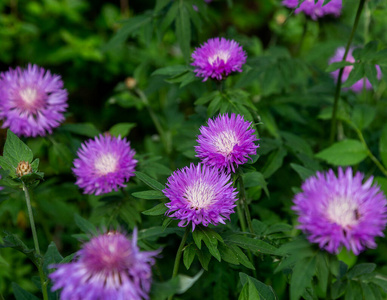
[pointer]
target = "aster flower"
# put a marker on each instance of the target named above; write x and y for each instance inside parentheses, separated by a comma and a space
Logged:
(341, 211)
(108, 267)
(104, 164)
(217, 58)
(357, 86)
(201, 195)
(227, 141)
(315, 10)
(32, 101)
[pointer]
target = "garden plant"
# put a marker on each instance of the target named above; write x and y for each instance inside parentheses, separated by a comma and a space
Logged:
(193, 149)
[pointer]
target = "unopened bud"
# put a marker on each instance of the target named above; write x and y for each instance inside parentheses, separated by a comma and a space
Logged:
(280, 19)
(130, 82)
(23, 168)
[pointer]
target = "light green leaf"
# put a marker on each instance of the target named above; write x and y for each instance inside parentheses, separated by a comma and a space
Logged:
(159, 209)
(15, 150)
(121, 129)
(344, 153)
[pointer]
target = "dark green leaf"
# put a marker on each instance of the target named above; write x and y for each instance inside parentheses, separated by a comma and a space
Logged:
(361, 269)
(254, 245)
(383, 145)
(52, 256)
(160, 4)
(170, 16)
(302, 277)
(344, 153)
(265, 292)
(303, 172)
(188, 255)
(149, 181)
(159, 209)
(363, 115)
(84, 225)
(249, 292)
(210, 238)
(253, 179)
(274, 162)
(153, 233)
(86, 129)
(12, 241)
(356, 74)
(206, 98)
(21, 294)
(171, 70)
(337, 65)
(183, 30)
(149, 195)
(371, 74)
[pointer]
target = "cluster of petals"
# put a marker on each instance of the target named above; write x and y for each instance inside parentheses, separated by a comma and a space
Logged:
(108, 267)
(104, 164)
(32, 101)
(358, 86)
(226, 142)
(217, 58)
(315, 10)
(341, 211)
(200, 194)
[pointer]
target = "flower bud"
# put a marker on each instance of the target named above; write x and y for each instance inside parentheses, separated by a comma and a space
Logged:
(23, 168)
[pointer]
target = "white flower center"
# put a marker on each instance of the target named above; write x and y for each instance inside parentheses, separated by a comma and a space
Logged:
(28, 96)
(106, 163)
(225, 141)
(199, 194)
(343, 212)
(222, 55)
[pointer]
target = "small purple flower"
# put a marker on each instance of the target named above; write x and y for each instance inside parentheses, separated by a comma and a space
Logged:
(217, 58)
(341, 211)
(104, 164)
(32, 101)
(200, 194)
(357, 87)
(226, 141)
(317, 10)
(109, 266)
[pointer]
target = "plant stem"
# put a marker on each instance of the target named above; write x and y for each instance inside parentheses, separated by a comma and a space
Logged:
(178, 255)
(338, 85)
(244, 204)
(36, 242)
(369, 153)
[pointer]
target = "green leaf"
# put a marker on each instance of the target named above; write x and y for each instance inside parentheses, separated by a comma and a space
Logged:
(15, 150)
(52, 256)
(297, 144)
(347, 257)
(149, 181)
(372, 75)
(363, 115)
(183, 30)
(21, 294)
(303, 172)
(356, 74)
(337, 65)
(265, 292)
(159, 209)
(149, 195)
(344, 153)
(153, 233)
(249, 292)
(234, 255)
(322, 272)
(253, 179)
(160, 4)
(210, 238)
(302, 277)
(206, 98)
(12, 241)
(254, 245)
(121, 129)
(204, 257)
(188, 255)
(86, 129)
(84, 225)
(361, 269)
(274, 162)
(383, 145)
(129, 27)
(170, 16)
(7, 165)
(172, 70)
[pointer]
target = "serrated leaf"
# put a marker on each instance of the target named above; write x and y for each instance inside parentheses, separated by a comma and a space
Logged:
(121, 129)
(7, 165)
(344, 153)
(85, 225)
(15, 150)
(302, 277)
(149, 195)
(154, 184)
(254, 245)
(159, 209)
(265, 292)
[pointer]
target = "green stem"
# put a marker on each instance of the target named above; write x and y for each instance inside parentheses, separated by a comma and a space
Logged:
(338, 86)
(369, 153)
(244, 204)
(178, 255)
(39, 265)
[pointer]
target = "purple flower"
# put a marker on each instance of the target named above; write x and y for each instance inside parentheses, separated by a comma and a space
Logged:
(341, 211)
(108, 267)
(200, 194)
(217, 58)
(317, 10)
(357, 87)
(226, 141)
(104, 164)
(32, 101)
